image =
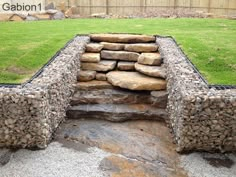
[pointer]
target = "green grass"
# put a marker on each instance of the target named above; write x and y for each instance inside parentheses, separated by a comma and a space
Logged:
(209, 43)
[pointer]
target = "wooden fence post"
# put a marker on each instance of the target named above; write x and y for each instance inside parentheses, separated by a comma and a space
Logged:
(107, 7)
(175, 4)
(90, 7)
(145, 6)
(209, 6)
(227, 11)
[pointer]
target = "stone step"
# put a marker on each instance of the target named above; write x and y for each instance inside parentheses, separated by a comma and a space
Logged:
(116, 112)
(94, 47)
(153, 59)
(103, 65)
(90, 57)
(94, 84)
(101, 77)
(122, 38)
(113, 46)
(141, 47)
(119, 96)
(119, 55)
(135, 81)
(86, 76)
(126, 66)
(153, 71)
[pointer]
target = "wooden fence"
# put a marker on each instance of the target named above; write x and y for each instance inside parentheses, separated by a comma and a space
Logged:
(128, 7)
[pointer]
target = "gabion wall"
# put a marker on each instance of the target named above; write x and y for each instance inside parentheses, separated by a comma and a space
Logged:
(30, 114)
(201, 118)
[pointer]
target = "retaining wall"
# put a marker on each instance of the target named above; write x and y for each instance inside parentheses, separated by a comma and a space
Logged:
(30, 114)
(200, 118)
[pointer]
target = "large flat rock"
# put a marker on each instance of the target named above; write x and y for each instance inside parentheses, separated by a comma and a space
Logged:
(86, 75)
(90, 57)
(153, 71)
(135, 81)
(94, 84)
(119, 96)
(141, 47)
(117, 112)
(113, 46)
(119, 55)
(101, 77)
(153, 59)
(103, 65)
(126, 65)
(139, 148)
(94, 47)
(122, 38)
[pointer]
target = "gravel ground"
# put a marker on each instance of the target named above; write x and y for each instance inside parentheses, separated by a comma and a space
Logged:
(209, 165)
(55, 161)
(77, 160)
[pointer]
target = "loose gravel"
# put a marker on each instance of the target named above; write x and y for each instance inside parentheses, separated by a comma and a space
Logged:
(196, 165)
(55, 161)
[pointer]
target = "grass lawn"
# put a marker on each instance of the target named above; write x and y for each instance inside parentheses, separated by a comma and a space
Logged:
(209, 43)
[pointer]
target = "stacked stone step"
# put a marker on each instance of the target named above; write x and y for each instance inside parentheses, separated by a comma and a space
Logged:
(100, 100)
(127, 61)
(122, 77)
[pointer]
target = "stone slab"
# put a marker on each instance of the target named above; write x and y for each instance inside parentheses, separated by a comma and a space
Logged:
(119, 96)
(153, 71)
(135, 81)
(138, 148)
(141, 47)
(94, 47)
(101, 77)
(115, 95)
(122, 38)
(116, 112)
(103, 65)
(90, 57)
(86, 75)
(94, 84)
(126, 66)
(113, 46)
(153, 59)
(119, 55)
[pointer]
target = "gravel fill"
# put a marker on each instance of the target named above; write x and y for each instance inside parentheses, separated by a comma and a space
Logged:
(197, 165)
(55, 161)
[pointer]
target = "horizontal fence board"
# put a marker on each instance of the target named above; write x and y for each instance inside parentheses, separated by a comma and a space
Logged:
(129, 7)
